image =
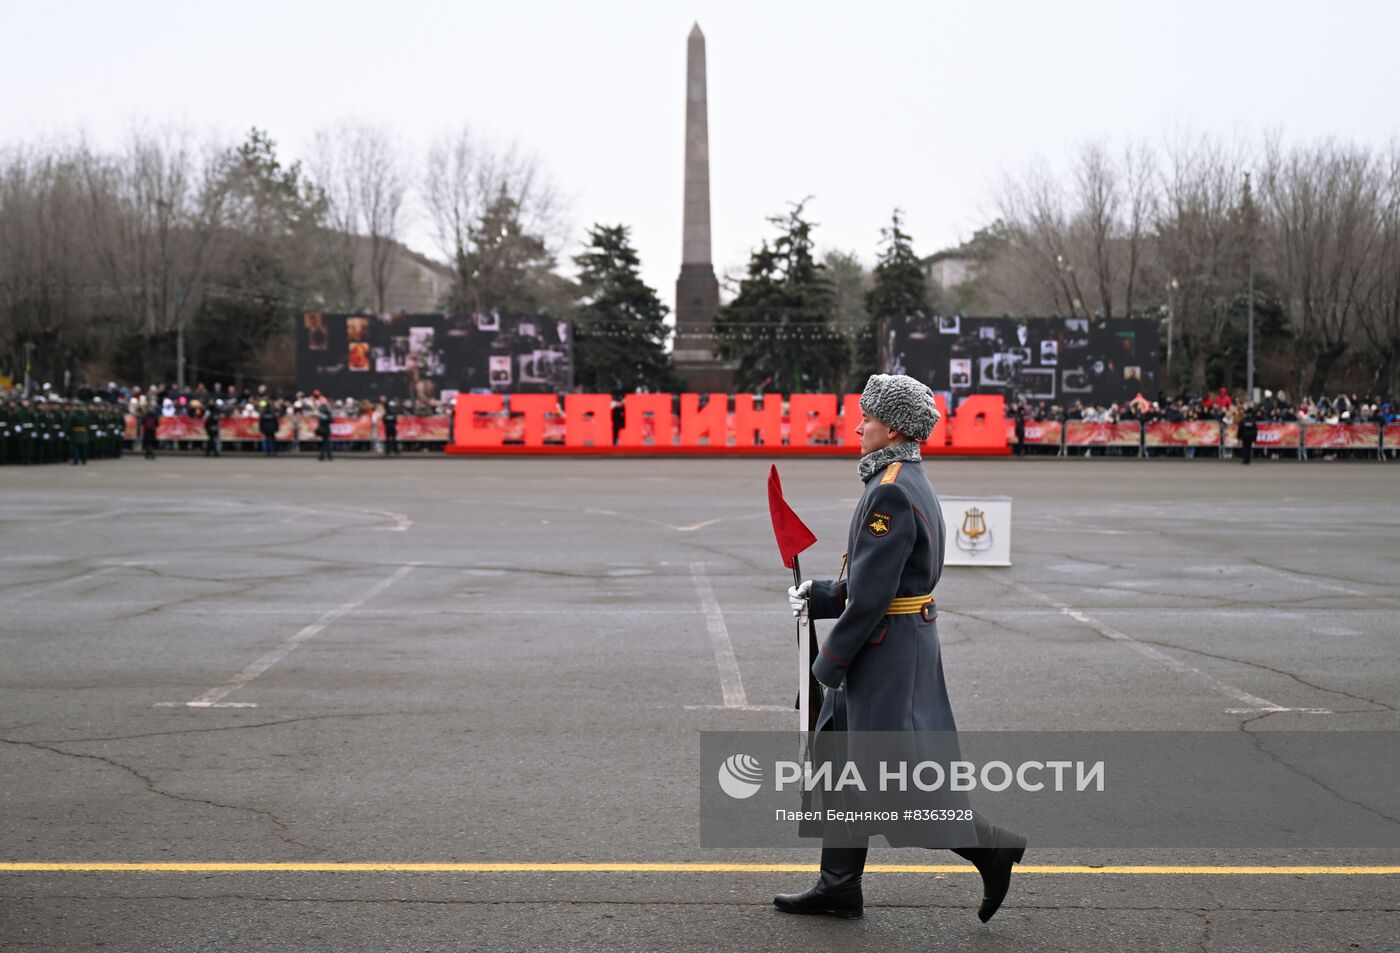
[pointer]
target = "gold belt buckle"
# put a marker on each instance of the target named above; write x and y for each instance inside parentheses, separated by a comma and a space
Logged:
(924, 611)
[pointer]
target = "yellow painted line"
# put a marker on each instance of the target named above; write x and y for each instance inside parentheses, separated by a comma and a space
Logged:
(293, 867)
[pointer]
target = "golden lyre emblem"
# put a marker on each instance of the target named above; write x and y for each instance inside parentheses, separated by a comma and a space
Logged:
(974, 535)
(974, 523)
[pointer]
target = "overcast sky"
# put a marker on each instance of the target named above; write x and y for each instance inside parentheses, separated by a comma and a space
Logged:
(864, 106)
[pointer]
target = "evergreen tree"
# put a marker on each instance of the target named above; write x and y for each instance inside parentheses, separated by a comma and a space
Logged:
(507, 267)
(266, 275)
(620, 325)
(897, 301)
(780, 327)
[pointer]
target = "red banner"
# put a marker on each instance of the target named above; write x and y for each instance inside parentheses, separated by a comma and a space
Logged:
(1039, 433)
(1342, 436)
(436, 429)
(180, 428)
(1088, 433)
(246, 428)
(1185, 433)
(362, 429)
(1392, 435)
(1270, 434)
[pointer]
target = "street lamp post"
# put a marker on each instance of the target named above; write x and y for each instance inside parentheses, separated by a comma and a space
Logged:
(28, 363)
(1249, 352)
(1172, 286)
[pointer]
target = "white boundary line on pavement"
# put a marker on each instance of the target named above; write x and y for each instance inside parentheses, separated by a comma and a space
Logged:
(214, 697)
(1254, 702)
(401, 522)
(730, 682)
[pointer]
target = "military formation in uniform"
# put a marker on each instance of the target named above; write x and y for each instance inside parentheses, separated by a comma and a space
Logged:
(51, 431)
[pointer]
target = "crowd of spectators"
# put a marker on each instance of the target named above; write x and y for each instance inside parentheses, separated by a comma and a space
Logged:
(198, 401)
(272, 406)
(1221, 405)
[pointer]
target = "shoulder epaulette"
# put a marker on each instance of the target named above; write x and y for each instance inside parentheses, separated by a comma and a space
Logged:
(891, 472)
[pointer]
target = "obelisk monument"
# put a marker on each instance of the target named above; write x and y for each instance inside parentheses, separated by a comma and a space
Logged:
(697, 290)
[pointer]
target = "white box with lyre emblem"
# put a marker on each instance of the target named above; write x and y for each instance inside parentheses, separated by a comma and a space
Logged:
(978, 530)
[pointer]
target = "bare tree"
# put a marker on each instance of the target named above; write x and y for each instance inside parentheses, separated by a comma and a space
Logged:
(850, 283)
(1321, 231)
(467, 182)
(333, 171)
(1140, 184)
(381, 183)
(1198, 241)
(452, 195)
(360, 172)
(1038, 269)
(46, 269)
(1099, 195)
(1378, 306)
(155, 212)
(1078, 248)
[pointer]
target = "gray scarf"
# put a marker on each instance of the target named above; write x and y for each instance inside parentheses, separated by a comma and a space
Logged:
(876, 460)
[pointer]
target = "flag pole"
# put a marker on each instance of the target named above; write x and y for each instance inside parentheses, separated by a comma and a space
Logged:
(793, 536)
(806, 655)
(804, 639)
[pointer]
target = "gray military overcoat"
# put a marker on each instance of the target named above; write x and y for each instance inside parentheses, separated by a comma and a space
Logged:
(889, 667)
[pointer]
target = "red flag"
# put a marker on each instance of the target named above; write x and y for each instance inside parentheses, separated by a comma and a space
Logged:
(793, 535)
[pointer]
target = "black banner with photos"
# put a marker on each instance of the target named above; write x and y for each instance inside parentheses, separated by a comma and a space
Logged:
(428, 355)
(1056, 360)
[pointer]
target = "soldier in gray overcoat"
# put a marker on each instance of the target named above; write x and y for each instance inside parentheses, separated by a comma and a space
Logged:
(881, 664)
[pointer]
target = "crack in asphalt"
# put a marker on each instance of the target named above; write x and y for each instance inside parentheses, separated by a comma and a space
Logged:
(1212, 601)
(242, 584)
(1101, 561)
(192, 731)
(1322, 575)
(727, 556)
(240, 589)
(1256, 738)
(1380, 705)
(280, 828)
(1204, 943)
(83, 572)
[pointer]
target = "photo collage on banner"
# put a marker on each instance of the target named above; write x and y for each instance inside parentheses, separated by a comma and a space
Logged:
(1055, 360)
(428, 356)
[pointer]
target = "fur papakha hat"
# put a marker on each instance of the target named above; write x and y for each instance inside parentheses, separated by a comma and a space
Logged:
(901, 402)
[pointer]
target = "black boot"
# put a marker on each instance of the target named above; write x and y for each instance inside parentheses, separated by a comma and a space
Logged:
(837, 892)
(998, 848)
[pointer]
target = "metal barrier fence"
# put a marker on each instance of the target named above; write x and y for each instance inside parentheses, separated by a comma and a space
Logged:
(1161, 438)
(1063, 438)
(302, 429)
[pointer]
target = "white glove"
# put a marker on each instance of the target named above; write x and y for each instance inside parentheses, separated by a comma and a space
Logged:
(797, 597)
